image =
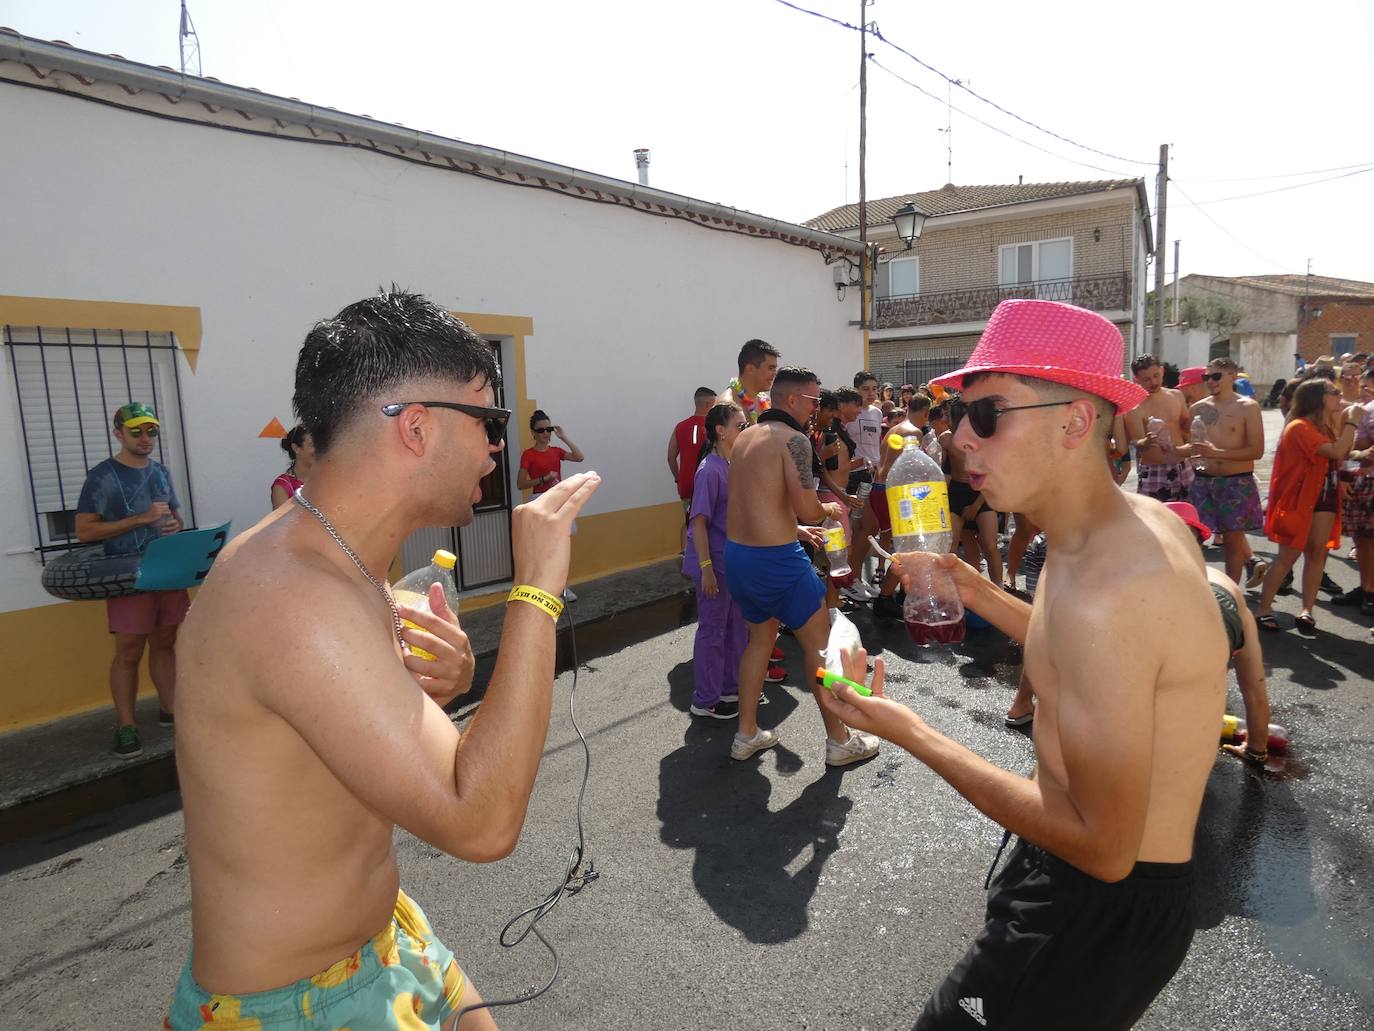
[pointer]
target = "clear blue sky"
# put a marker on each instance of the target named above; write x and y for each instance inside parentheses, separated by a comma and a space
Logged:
(752, 104)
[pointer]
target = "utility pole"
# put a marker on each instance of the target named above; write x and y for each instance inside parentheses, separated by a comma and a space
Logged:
(1176, 243)
(1157, 337)
(867, 273)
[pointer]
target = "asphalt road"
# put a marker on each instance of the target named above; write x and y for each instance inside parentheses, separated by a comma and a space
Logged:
(776, 893)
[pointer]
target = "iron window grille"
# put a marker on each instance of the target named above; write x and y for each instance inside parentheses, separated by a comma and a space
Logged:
(68, 383)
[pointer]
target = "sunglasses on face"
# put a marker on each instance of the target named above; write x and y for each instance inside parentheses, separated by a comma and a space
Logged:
(1215, 377)
(142, 431)
(542, 429)
(984, 413)
(493, 418)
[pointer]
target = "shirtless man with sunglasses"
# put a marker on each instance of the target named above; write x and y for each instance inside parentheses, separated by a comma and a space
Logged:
(1093, 911)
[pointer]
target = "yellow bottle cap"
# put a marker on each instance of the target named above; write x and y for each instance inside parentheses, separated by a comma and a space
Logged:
(445, 559)
(896, 441)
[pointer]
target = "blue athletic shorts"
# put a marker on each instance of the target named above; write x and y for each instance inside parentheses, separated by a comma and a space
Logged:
(777, 582)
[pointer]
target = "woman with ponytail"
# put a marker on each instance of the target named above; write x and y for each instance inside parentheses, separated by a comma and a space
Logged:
(300, 456)
(721, 631)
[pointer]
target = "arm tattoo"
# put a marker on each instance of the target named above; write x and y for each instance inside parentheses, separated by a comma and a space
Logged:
(799, 447)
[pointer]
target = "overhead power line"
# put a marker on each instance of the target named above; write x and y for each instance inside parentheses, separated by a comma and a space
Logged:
(987, 125)
(1010, 114)
(1228, 232)
(953, 82)
(1281, 175)
(1280, 189)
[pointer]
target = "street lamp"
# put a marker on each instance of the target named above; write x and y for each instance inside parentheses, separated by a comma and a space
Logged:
(909, 220)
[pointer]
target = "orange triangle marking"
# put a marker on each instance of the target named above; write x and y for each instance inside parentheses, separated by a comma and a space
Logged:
(273, 429)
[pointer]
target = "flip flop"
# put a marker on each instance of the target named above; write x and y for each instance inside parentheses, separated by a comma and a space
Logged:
(1267, 622)
(1306, 622)
(1019, 721)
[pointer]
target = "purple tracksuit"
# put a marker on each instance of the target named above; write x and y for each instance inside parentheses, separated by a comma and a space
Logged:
(721, 631)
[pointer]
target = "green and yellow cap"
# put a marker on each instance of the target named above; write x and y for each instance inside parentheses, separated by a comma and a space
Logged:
(136, 413)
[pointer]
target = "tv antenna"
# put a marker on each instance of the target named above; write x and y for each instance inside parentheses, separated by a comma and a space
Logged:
(948, 130)
(190, 43)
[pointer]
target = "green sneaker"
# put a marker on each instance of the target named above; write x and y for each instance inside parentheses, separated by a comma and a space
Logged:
(126, 743)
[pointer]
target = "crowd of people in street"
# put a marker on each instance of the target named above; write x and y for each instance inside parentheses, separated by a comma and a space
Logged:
(783, 483)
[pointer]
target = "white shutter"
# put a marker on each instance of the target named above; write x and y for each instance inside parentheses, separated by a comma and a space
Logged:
(69, 385)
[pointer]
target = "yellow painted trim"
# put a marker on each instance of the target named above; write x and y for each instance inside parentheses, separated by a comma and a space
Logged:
(57, 660)
(183, 322)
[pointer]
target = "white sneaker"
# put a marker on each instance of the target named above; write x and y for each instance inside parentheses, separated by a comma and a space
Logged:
(857, 593)
(745, 747)
(856, 749)
(1256, 576)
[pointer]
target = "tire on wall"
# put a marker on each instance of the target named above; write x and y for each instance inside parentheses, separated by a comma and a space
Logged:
(87, 574)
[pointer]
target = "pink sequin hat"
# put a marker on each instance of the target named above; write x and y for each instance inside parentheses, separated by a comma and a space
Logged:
(1189, 515)
(1189, 377)
(1055, 342)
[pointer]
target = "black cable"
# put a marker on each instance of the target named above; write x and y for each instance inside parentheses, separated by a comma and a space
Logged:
(1276, 189)
(1203, 212)
(574, 878)
(877, 32)
(1279, 175)
(988, 125)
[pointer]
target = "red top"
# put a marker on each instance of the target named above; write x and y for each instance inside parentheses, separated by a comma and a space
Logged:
(1295, 484)
(541, 463)
(689, 433)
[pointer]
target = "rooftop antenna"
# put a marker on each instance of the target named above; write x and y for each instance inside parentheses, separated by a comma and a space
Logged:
(190, 43)
(948, 130)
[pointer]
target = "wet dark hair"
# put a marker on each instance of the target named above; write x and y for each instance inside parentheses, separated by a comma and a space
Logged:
(702, 393)
(295, 437)
(790, 377)
(754, 352)
(829, 401)
(848, 396)
(538, 414)
(1141, 362)
(375, 345)
(717, 417)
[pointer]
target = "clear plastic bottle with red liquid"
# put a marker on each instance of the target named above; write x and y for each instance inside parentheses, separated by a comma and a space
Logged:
(1234, 730)
(836, 549)
(918, 503)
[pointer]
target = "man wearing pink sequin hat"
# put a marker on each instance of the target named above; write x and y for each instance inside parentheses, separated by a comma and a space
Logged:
(1093, 911)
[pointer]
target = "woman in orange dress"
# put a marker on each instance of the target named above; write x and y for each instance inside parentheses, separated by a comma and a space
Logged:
(1302, 515)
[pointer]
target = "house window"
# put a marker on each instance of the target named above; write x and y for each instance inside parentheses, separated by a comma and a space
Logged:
(68, 383)
(1343, 342)
(1043, 261)
(899, 277)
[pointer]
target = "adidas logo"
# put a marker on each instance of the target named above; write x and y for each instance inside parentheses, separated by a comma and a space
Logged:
(974, 1008)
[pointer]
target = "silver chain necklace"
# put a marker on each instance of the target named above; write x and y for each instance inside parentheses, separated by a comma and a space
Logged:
(300, 499)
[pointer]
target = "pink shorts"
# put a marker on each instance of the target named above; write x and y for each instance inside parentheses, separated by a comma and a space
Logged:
(146, 611)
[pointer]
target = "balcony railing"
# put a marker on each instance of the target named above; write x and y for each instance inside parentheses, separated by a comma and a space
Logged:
(1096, 293)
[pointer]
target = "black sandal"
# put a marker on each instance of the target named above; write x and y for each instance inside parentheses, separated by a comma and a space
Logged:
(1306, 622)
(1267, 621)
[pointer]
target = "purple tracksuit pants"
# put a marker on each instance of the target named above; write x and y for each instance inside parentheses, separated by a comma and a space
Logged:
(721, 637)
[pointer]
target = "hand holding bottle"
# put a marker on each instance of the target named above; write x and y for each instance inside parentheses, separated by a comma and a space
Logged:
(434, 630)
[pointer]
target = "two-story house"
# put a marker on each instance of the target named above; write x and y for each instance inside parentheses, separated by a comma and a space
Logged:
(1084, 243)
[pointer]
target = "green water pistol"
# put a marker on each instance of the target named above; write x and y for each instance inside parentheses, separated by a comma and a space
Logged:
(828, 680)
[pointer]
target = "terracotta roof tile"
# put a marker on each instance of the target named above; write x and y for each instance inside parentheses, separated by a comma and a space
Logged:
(950, 199)
(1296, 285)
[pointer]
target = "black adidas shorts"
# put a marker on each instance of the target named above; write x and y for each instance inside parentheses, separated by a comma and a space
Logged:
(1063, 951)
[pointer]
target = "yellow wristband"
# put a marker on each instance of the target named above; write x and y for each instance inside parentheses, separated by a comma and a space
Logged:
(703, 565)
(541, 600)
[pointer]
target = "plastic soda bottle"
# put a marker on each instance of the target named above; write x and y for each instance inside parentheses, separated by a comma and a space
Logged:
(918, 503)
(413, 590)
(1277, 738)
(1154, 424)
(836, 547)
(1197, 434)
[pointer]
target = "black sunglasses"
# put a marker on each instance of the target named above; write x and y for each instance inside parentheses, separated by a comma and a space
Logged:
(1213, 376)
(494, 418)
(984, 413)
(542, 429)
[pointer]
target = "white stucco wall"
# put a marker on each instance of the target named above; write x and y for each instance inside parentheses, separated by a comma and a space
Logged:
(1185, 347)
(631, 312)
